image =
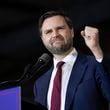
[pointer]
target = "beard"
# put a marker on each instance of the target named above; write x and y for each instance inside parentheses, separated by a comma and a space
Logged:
(60, 48)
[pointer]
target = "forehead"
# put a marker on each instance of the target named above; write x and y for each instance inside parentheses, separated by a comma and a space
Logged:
(53, 21)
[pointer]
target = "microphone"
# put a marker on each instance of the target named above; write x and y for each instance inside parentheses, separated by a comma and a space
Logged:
(29, 71)
(44, 59)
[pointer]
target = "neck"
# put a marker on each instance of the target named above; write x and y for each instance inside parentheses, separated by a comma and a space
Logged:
(63, 55)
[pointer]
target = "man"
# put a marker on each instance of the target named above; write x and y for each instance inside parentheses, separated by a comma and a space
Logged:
(85, 84)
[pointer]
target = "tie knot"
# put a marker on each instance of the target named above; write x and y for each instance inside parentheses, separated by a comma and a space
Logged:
(59, 64)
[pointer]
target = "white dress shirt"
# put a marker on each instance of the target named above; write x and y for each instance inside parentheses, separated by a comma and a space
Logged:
(66, 72)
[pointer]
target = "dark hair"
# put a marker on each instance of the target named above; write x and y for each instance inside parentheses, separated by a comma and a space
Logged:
(51, 14)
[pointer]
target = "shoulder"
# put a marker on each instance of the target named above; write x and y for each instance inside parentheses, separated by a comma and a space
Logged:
(44, 77)
(86, 58)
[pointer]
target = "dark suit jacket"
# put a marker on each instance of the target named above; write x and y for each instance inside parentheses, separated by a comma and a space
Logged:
(106, 63)
(88, 88)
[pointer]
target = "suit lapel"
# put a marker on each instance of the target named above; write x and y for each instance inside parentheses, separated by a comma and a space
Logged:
(46, 80)
(75, 78)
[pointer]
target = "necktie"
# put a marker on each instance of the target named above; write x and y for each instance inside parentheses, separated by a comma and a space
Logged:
(56, 92)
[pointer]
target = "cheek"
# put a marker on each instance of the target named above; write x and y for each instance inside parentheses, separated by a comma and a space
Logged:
(45, 40)
(67, 36)
(68, 39)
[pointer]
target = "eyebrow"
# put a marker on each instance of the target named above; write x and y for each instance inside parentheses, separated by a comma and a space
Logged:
(60, 26)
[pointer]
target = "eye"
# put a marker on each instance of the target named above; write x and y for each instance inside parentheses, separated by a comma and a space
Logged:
(60, 27)
(48, 32)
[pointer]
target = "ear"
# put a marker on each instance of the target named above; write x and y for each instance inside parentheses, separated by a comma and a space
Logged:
(72, 33)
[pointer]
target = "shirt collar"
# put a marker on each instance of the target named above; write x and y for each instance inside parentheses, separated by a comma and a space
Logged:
(68, 58)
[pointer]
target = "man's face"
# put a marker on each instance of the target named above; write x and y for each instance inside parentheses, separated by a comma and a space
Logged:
(56, 35)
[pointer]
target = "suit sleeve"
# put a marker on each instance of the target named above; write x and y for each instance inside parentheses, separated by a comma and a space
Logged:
(103, 79)
(106, 63)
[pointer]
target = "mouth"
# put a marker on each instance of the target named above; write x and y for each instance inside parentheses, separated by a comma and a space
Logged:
(57, 40)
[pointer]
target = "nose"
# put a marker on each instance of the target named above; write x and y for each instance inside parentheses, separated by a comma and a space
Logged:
(55, 33)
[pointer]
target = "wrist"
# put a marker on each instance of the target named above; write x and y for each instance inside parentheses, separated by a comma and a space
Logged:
(97, 52)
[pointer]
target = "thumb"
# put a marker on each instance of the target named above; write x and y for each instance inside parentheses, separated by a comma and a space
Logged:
(82, 33)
